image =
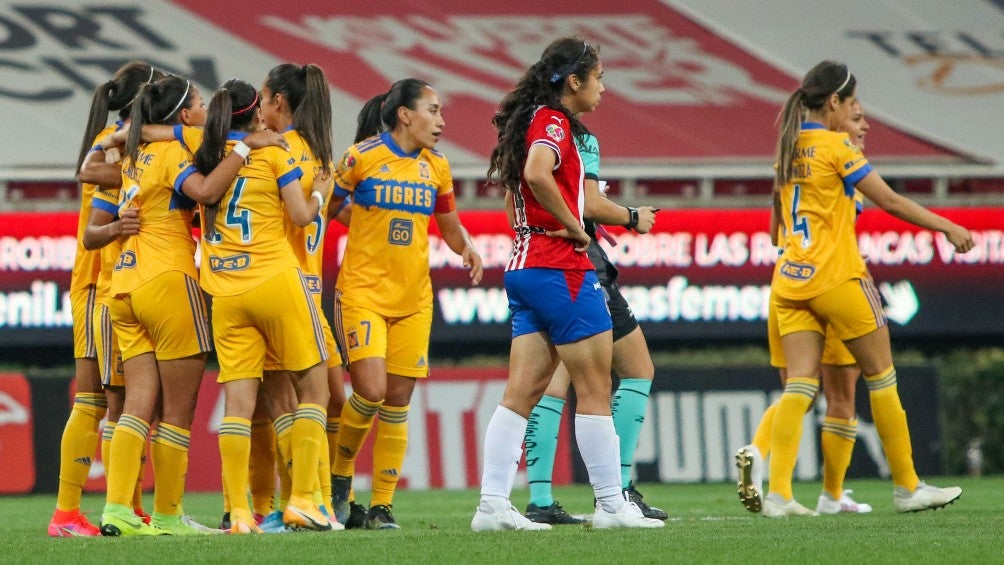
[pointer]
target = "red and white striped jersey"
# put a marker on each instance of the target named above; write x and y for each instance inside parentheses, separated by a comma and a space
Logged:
(532, 248)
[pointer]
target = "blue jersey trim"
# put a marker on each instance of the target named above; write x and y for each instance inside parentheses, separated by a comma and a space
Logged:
(179, 136)
(812, 125)
(854, 178)
(105, 206)
(189, 170)
(236, 135)
(388, 140)
(339, 191)
(289, 177)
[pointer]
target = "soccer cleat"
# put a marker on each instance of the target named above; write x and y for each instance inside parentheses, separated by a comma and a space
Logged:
(649, 511)
(239, 526)
(749, 463)
(629, 516)
(828, 505)
(177, 525)
(924, 497)
(775, 506)
(553, 514)
(272, 523)
(341, 486)
(301, 514)
(190, 522)
(225, 521)
(119, 520)
(70, 524)
(500, 515)
(142, 515)
(380, 518)
(357, 516)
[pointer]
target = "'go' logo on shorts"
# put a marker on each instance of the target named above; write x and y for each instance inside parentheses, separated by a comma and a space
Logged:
(400, 232)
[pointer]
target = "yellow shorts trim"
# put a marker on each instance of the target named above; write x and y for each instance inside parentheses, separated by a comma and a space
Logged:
(109, 355)
(82, 303)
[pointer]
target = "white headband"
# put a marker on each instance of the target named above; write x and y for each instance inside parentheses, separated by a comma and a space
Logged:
(846, 80)
(184, 95)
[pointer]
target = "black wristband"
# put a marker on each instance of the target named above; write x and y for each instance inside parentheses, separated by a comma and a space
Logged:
(632, 218)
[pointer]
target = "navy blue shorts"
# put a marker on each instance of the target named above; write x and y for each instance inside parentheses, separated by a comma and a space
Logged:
(567, 305)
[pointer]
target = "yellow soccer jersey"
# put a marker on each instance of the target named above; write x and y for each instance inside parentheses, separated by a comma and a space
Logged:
(307, 242)
(245, 243)
(164, 243)
(87, 264)
(818, 210)
(107, 199)
(386, 264)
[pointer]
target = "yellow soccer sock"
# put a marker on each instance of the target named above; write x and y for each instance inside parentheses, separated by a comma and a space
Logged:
(284, 456)
(331, 430)
(78, 446)
(761, 438)
(170, 463)
(388, 453)
(106, 443)
(126, 459)
(890, 421)
(226, 497)
(261, 471)
(798, 395)
(137, 495)
(235, 452)
(353, 427)
(324, 471)
(308, 431)
(837, 440)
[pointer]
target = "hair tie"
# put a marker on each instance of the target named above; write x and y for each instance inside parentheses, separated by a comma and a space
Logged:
(559, 75)
(184, 95)
(248, 107)
(846, 80)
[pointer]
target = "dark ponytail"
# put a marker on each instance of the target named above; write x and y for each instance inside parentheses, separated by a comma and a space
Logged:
(380, 112)
(233, 107)
(116, 95)
(820, 83)
(541, 85)
(306, 90)
(157, 103)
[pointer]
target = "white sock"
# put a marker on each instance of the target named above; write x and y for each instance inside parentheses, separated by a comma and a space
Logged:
(502, 450)
(600, 449)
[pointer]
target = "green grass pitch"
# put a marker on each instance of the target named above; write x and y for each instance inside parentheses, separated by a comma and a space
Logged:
(707, 525)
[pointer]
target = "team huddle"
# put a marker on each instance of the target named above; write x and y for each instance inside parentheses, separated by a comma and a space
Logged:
(255, 172)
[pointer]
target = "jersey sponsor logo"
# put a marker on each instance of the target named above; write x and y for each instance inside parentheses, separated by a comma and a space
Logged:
(423, 170)
(127, 260)
(237, 262)
(797, 271)
(313, 283)
(555, 132)
(400, 232)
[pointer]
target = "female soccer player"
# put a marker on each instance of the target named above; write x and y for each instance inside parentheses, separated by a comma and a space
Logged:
(631, 361)
(558, 310)
(296, 102)
(261, 301)
(163, 347)
(821, 281)
(840, 373)
(383, 297)
(80, 436)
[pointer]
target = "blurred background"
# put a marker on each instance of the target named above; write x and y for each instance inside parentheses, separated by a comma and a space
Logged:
(687, 124)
